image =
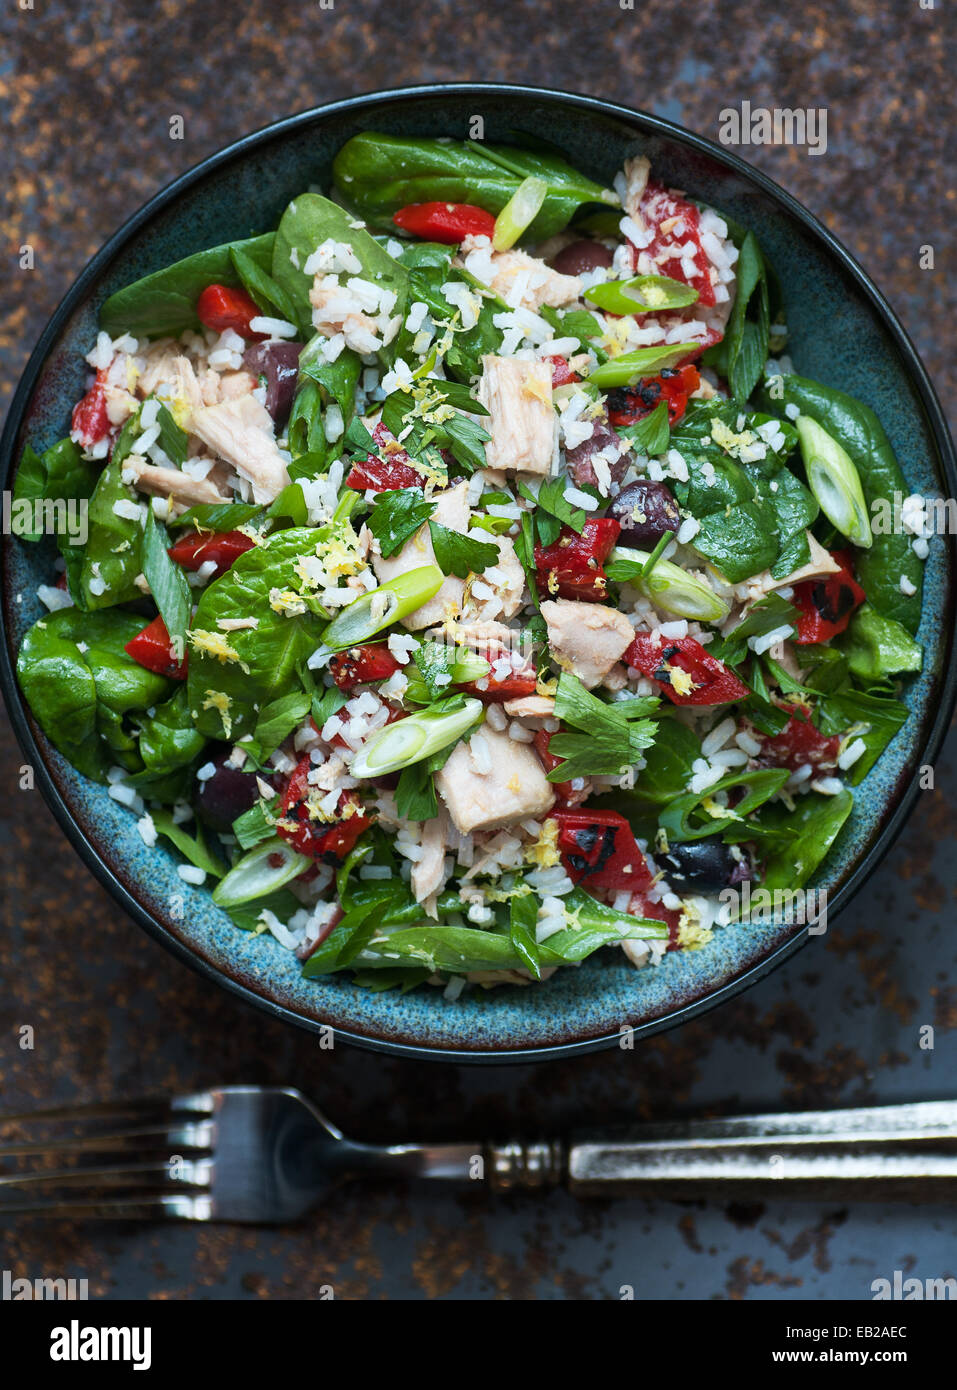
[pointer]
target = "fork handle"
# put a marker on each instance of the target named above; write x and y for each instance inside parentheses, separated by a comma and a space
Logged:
(897, 1151)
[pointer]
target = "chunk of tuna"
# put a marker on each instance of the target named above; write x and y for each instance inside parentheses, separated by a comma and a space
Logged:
(172, 483)
(428, 873)
(586, 638)
(492, 781)
(523, 281)
(241, 432)
(531, 707)
(452, 512)
(518, 397)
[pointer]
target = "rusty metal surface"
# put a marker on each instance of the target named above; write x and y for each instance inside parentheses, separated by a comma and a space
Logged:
(88, 92)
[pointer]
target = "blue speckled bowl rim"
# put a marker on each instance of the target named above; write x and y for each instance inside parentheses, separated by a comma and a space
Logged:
(37, 749)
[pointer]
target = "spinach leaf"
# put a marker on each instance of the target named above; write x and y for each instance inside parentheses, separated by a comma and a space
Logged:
(802, 837)
(59, 473)
(112, 556)
(80, 697)
(877, 647)
(310, 220)
(217, 516)
(268, 656)
(164, 304)
(858, 430)
(173, 440)
(766, 615)
(168, 738)
(743, 351)
(321, 382)
(276, 722)
(685, 819)
(881, 715)
(168, 584)
(378, 174)
(191, 847)
(272, 299)
(523, 919)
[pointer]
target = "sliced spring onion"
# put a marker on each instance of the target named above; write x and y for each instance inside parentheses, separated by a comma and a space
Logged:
(663, 542)
(834, 480)
(264, 869)
(408, 741)
(519, 212)
(619, 371)
(643, 294)
(468, 667)
(370, 613)
(668, 586)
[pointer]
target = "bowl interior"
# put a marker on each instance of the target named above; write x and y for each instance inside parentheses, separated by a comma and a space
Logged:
(838, 335)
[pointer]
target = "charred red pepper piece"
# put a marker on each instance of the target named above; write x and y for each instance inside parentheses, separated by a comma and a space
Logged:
(706, 680)
(363, 665)
(192, 552)
(564, 791)
(562, 373)
(153, 648)
(330, 842)
(826, 604)
(572, 565)
(90, 422)
(673, 385)
(220, 307)
(388, 471)
(599, 849)
(449, 223)
(798, 743)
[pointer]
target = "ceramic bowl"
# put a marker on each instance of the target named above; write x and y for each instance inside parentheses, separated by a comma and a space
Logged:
(842, 332)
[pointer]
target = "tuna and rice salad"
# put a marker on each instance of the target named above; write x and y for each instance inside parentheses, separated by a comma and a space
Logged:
(469, 582)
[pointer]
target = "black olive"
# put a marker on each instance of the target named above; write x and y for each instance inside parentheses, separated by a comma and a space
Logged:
(705, 865)
(227, 794)
(278, 363)
(645, 510)
(581, 256)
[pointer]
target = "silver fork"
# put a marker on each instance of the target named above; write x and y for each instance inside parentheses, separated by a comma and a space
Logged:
(267, 1155)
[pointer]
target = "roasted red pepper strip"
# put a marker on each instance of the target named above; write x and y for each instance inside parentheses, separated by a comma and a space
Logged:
(798, 744)
(572, 565)
(599, 849)
(674, 222)
(642, 906)
(362, 665)
(564, 791)
(220, 307)
(192, 552)
(673, 385)
(562, 374)
(498, 688)
(684, 670)
(826, 604)
(330, 842)
(90, 422)
(388, 471)
(153, 649)
(449, 223)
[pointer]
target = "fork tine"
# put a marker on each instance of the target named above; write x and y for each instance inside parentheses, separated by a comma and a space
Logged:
(145, 1208)
(170, 1136)
(83, 1113)
(189, 1174)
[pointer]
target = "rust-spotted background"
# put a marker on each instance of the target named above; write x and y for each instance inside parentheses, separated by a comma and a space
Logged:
(88, 91)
